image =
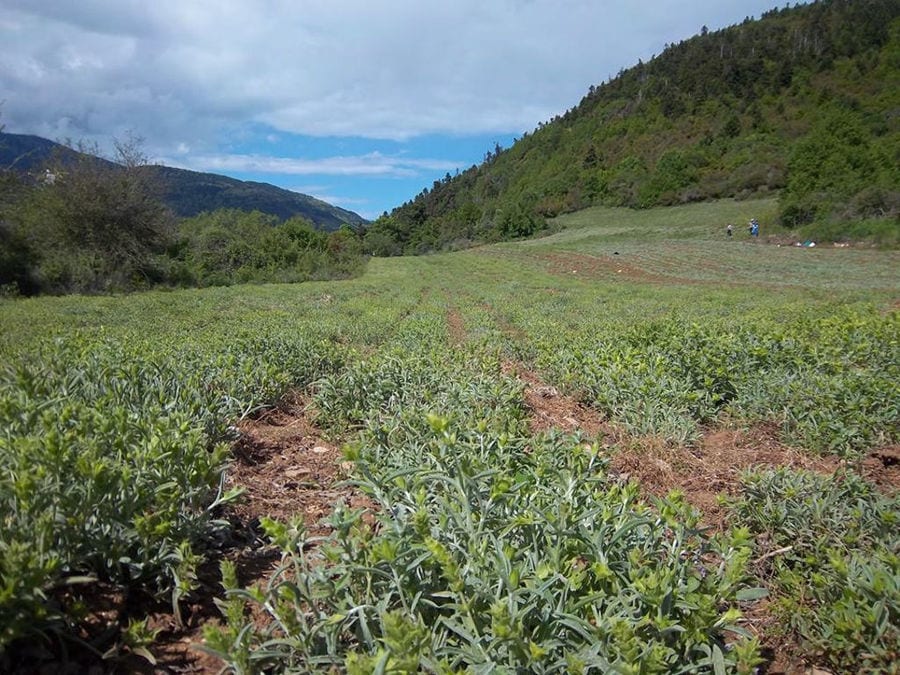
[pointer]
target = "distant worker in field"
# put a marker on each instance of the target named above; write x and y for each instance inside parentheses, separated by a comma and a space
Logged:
(754, 227)
(729, 229)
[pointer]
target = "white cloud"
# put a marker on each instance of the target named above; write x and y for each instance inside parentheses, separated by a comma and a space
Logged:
(371, 164)
(352, 203)
(193, 72)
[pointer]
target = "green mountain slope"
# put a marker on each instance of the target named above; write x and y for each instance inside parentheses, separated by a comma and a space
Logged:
(189, 193)
(803, 103)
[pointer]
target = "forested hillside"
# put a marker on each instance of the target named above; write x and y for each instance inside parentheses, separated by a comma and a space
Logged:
(803, 101)
(190, 193)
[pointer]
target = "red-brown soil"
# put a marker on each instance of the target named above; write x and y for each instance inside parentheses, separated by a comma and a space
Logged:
(550, 409)
(287, 469)
(456, 327)
(713, 467)
(568, 263)
(882, 467)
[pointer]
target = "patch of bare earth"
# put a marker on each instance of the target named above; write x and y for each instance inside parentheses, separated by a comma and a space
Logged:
(704, 473)
(713, 467)
(550, 409)
(565, 264)
(287, 469)
(456, 327)
(882, 467)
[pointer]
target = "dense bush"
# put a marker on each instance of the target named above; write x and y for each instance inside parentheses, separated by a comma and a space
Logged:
(825, 389)
(838, 170)
(113, 456)
(92, 226)
(229, 246)
(86, 225)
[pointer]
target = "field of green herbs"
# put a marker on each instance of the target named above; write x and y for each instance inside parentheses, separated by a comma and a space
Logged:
(488, 547)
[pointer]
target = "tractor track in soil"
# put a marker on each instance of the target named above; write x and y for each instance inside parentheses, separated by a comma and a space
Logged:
(287, 468)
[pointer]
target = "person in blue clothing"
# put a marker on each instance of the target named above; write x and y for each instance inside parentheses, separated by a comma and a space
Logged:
(754, 227)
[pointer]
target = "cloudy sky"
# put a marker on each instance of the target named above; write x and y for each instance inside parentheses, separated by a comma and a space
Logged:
(361, 103)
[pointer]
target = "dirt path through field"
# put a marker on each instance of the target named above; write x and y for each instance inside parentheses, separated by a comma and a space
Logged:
(287, 468)
(456, 327)
(551, 409)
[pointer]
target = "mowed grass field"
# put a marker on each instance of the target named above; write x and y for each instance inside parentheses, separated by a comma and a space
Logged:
(529, 424)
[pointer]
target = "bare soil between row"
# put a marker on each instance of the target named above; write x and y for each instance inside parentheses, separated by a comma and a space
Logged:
(288, 468)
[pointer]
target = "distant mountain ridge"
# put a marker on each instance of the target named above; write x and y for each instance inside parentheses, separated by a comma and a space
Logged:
(189, 193)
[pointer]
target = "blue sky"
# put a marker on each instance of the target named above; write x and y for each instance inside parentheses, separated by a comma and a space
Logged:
(358, 102)
(350, 171)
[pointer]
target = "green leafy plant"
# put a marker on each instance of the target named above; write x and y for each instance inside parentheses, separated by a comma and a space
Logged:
(835, 573)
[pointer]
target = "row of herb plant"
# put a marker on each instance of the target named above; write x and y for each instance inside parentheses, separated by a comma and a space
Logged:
(112, 459)
(492, 550)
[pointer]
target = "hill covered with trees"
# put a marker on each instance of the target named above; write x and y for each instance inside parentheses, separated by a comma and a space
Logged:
(802, 102)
